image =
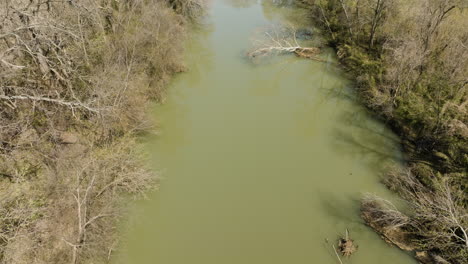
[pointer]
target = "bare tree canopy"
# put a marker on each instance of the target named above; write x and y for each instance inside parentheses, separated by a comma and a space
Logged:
(76, 78)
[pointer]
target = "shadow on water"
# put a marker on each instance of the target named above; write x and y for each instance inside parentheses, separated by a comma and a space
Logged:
(346, 209)
(360, 134)
(199, 41)
(342, 92)
(342, 207)
(360, 118)
(365, 147)
(358, 121)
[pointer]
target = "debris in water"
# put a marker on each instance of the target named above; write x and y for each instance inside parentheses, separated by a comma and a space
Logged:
(346, 245)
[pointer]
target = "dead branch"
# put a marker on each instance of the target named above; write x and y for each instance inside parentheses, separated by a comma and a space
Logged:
(346, 245)
(83, 200)
(282, 41)
(438, 216)
(383, 212)
(337, 255)
(71, 105)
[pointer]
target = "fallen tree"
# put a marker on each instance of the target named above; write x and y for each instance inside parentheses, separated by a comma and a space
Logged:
(437, 222)
(281, 40)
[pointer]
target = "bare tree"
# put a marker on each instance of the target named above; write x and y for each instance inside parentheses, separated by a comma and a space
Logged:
(325, 20)
(437, 12)
(348, 19)
(383, 213)
(83, 198)
(438, 213)
(378, 13)
(87, 69)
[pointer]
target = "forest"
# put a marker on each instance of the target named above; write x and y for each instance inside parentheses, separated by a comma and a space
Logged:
(76, 78)
(409, 60)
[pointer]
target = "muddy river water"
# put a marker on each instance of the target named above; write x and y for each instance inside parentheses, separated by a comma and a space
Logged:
(260, 163)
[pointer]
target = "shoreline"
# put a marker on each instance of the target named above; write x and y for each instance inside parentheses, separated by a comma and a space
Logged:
(433, 162)
(77, 83)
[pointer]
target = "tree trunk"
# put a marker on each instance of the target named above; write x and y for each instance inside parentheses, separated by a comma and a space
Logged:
(379, 8)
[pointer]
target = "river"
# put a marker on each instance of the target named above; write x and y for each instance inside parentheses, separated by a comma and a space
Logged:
(261, 163)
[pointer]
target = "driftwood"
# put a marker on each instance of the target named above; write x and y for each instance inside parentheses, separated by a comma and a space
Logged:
(346, 245)
(308, 53)
(70, 104)
(280, 42)
(299, 51)
(336, 253)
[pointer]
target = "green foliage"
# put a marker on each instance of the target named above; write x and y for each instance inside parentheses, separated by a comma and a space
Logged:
(424, 173)
(360, 62)
(410, 63)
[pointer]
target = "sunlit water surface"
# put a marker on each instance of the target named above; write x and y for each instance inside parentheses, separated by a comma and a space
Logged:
(261, 163)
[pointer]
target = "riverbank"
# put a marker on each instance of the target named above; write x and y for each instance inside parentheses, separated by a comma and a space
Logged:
(409, 63)
(76, 81)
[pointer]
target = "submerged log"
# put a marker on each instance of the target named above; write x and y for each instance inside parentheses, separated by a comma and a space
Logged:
(271, 50)
(308, 52)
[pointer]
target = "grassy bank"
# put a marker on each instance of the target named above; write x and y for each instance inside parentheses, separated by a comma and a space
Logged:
(409, 60)
(76, 78)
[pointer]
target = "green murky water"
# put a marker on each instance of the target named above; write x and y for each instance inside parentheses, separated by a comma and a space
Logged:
(260, 163)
